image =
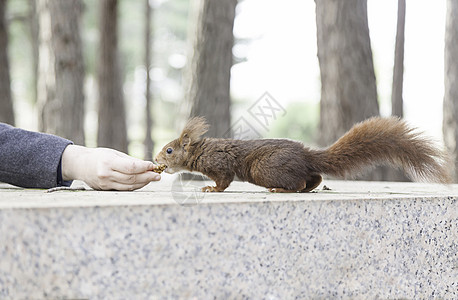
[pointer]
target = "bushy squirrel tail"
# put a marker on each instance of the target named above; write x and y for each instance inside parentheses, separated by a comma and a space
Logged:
(387, 141)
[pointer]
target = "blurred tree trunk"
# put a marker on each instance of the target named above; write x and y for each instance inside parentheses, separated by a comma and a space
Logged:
(348, 86)
(6, 101)
(398, 69)
(149, 124)
(112, 131)
(34, 34)
(209, 86)
(61, 69)
(450, 119)
(397, 102)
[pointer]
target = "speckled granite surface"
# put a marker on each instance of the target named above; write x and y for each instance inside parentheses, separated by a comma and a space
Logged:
(357, 241)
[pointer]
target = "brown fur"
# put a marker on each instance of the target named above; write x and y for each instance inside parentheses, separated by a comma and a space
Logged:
(287, 166)
(193, 130)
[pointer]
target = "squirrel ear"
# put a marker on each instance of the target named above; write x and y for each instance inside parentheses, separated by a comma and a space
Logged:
(184, 141)
(193, 131)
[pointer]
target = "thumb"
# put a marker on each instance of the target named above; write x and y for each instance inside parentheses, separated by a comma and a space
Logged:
(130, 165)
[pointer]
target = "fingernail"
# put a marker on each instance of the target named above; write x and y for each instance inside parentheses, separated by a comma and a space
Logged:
(157, 177)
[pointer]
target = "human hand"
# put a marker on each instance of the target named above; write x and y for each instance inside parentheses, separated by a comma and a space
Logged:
(106, 169)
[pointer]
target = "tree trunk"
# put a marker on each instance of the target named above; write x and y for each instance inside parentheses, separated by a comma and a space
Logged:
(209, 92)
(34, 34)
(348, 87)
(112, 131)
(398, 79)
(61, 69)
(450, 119)
(6, 101)
(149, 124)
(398, 70)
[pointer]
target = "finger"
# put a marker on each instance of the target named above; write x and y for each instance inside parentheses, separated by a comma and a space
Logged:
(124, 187)
(129, 179)
(129, 165)
(122, 154)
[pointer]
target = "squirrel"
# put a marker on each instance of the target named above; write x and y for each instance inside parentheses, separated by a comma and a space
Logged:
(283, 165)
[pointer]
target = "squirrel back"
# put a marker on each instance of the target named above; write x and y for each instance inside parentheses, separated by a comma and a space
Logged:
(386, 141)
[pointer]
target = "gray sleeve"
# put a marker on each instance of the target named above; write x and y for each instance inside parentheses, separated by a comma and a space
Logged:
(30, 159)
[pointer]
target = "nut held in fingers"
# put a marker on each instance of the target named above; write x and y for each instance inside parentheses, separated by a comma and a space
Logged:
(159, 169)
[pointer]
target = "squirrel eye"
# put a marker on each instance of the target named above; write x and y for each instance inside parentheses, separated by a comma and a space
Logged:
(169, 150)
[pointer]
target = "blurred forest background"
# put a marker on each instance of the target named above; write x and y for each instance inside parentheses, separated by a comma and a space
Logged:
(126, 74)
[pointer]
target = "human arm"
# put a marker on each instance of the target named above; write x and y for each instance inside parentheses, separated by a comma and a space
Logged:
(30, 159)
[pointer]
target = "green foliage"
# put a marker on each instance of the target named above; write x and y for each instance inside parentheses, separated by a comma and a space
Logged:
(169, 28)
(300, 123)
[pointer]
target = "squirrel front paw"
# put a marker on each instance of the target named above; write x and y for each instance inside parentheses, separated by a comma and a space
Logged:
(210, 189)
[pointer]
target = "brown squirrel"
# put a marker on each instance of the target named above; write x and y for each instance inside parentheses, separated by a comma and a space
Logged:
(283, 165)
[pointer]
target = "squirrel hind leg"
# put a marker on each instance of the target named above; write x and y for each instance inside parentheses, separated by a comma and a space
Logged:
(300, 187)
(312, 181)
(281, 190)
(309, 184)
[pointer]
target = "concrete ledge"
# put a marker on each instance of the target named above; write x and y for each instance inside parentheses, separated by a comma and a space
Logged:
(357, 240)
